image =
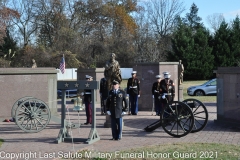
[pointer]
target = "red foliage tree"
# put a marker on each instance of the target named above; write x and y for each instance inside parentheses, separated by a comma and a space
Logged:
(5, 15)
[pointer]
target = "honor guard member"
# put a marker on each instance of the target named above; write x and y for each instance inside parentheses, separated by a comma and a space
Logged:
(103, 94)
(88, 101)
(168, 88)
(116, 109)
(133, 91)
(156, 94)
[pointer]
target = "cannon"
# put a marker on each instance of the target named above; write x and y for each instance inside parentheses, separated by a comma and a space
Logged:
(31, 114)
(180, 118)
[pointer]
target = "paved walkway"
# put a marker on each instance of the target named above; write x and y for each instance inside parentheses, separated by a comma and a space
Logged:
(42, 144)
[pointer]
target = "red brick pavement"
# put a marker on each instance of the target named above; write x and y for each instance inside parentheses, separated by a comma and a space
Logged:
(17, 141)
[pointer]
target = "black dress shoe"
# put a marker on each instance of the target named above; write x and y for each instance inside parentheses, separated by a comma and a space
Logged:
(112, 139)
(86, 123)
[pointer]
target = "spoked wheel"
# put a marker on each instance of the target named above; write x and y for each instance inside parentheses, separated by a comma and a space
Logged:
(200, 114)
(32, 115)
(177, 119)
(15, 105)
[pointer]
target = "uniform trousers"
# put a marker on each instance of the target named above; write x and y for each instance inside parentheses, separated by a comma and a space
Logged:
(158, 106)
(164, 102)
(134, 104)
(116, 125)
(103, 105)
(88, 110)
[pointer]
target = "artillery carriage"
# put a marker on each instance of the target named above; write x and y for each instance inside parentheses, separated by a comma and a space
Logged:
(31, 114)
(180, 118)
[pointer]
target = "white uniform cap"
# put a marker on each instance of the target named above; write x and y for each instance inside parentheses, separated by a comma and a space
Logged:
(88, 77)
(158, 76)
(167, 75)
(134, 72)
(164, 73)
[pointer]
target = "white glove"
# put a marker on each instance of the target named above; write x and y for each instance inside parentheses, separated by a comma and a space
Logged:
(163, 96)
(153, 96)
(123, 113)
(127, 95)
(82, 93)
(108, 112)
(138, 95)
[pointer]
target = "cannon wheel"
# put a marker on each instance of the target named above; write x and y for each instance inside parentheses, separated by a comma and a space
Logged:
(200, 114)
(32, 115)
(177, 119)
(15, 105)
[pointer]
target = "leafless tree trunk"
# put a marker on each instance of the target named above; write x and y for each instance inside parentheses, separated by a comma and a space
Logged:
(157, 27)
(215, 20)
(26, 25)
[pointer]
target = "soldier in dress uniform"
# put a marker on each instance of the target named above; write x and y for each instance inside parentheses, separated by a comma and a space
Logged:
(116, 109)
(88, 102)
(167, 88)
(103, 94)
(133, 91)
(156, 94)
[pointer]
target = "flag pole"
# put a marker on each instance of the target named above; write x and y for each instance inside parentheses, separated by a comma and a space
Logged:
(62, 65)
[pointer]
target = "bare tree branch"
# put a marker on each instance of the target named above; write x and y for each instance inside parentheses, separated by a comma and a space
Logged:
(215, 20)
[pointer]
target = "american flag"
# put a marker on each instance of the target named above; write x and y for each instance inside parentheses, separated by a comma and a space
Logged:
(62, 65)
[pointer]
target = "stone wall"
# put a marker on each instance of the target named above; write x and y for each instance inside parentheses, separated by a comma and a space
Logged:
(228, 95)
(146, 73)
(16, 83)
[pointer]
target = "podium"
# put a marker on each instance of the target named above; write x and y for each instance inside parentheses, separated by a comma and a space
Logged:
(63, 133)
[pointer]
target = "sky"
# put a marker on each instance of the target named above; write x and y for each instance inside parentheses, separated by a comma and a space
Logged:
(229, 8)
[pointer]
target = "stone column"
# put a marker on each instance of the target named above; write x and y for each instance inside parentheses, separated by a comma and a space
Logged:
(146, 73)
(180, 93)
(228, 99)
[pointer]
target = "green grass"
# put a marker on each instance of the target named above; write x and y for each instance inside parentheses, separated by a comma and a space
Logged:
(123, 84)
(193, 151)
(1, 142)
(187, 84)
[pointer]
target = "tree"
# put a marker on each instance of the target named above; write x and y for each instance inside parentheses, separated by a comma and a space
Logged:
(190, 44)
(123, 29)
(9, 43)
(222, 48)
(26, 24)
(6, 14)
(215, 20)
(161, 16)
(235, 41)
(192, 19)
